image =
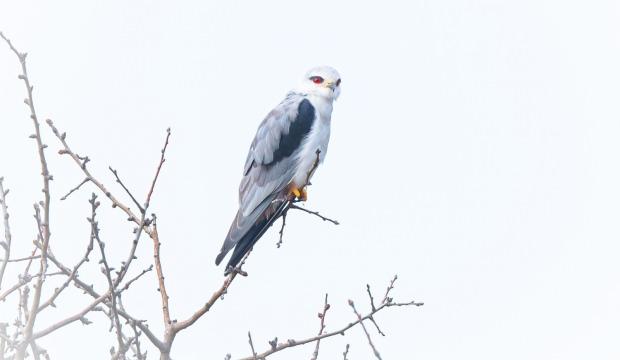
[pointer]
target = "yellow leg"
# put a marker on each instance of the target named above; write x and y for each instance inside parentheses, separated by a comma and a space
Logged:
(295, 193)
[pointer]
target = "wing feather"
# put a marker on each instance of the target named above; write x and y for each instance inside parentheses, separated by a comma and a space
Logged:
(271, 161)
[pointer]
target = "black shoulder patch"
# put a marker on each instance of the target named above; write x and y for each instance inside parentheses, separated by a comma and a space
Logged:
(299, 128)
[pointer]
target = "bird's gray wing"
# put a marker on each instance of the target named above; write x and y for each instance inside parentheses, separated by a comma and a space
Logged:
(269, 167)
(270, 164)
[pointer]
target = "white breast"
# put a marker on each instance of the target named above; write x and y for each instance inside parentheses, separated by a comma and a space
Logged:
(317, 139)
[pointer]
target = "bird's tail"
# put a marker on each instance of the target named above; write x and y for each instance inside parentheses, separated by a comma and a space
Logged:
(255, 231)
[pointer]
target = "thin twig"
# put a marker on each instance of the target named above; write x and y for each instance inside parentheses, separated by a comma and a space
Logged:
(118, 180)
(24, 280)
(6, 244)
(139, 354)
(140, 221)
(161, 163)
(359, 317)
(372, 319)
(62, 137)
(75, 189)
(345, 353)
(29, 263)
(372, 300)
(389, 288)
(315, 213)
(132, 251)
(68, 320)
(251, 345)
(88, 289)
(70, 277)
(160, 275)
(106, 271)
(26, 258)
(132, 280)
(281, 232)
(293, 343)
(315, 165)
(4, 339)
(372, 305)
(321, 315)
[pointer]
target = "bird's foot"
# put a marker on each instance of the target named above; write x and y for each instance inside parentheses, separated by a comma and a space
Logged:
(297, 194)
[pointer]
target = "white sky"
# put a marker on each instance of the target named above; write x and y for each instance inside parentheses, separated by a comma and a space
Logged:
(474, 152)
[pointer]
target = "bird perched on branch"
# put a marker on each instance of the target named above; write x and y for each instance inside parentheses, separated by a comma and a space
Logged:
(288, 146)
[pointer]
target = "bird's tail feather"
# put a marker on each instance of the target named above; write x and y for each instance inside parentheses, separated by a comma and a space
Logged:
(254, 233)
(242, 224)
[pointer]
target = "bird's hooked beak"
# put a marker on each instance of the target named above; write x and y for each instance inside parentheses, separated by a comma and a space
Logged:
(331, 85)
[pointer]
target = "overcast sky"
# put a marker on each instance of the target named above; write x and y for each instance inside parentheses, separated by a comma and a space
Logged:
(474, 152)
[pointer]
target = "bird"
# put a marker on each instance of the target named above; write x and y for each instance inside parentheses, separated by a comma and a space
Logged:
(288, 146)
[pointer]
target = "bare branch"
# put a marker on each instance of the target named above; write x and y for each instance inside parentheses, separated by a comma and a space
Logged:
(372, 300)
(132, 280)
(75, 189)
(6, 244)
(281, 232)
(321, 315)
(73, 318)
(98, 298)
(251, 345)
(38, 351)
(139, 354)
(22, 281)
(106, 271)
(160, 276)
(29, 263)
(70, 277)
(315, 213)
(118, 180)
(170, 332)
(389, 288)
(88, 289)
(372, 319)
(142, 227)
(132, 251)
(161, 163)
(62, 137)
(315, 165)
(27, 258)
(359, 317)
(4, 338)
(46, 201)
(345, 353)
(292, 343)
(372, 305)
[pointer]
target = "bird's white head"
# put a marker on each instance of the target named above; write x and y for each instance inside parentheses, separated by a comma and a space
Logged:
(323, 81)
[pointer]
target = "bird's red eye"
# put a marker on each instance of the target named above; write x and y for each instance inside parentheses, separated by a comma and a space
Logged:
(338, 82)
(317, 79)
